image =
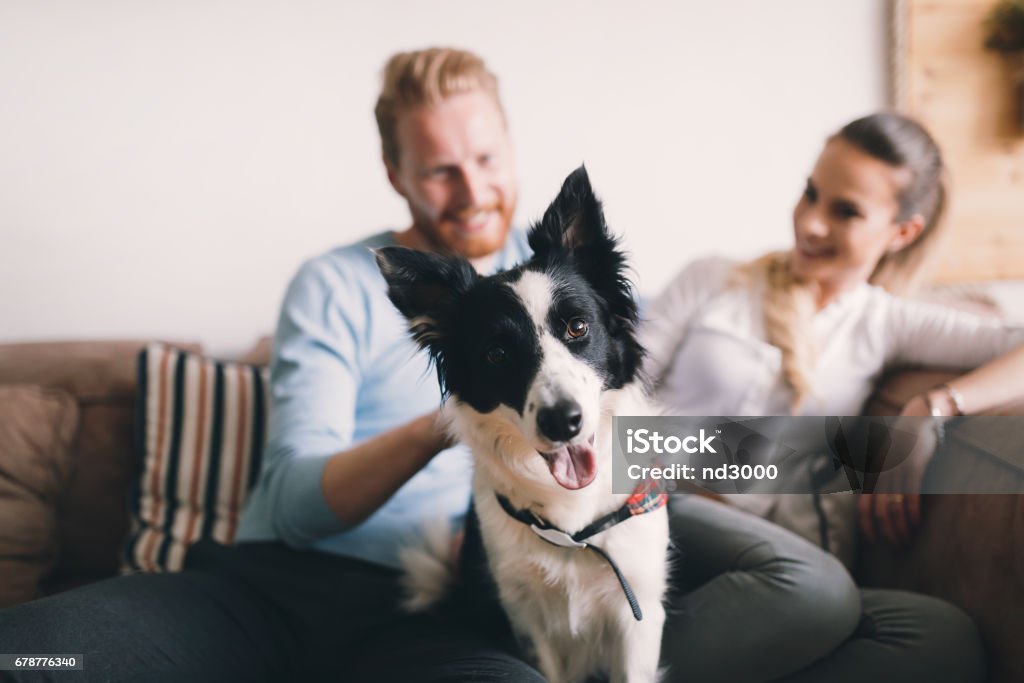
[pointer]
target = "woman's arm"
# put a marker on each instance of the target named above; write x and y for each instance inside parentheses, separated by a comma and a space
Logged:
(934, 335)
(666, 319)
(996, 383)
(921, 333)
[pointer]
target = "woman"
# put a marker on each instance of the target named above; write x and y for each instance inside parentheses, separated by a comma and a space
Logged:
(808, 332)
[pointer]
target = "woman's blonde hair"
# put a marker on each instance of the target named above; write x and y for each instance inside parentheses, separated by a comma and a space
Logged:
(424, 78)
(789, 303)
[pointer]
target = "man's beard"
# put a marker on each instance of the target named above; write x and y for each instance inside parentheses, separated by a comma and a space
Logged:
(448, 240)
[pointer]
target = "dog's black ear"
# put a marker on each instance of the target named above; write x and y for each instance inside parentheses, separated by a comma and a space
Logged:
(424, 288)
(574, 220)
(573, 229)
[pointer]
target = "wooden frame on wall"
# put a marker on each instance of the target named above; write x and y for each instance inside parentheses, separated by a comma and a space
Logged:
(941, 74)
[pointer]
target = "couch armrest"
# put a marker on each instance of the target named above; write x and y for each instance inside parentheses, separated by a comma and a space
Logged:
(967, 550)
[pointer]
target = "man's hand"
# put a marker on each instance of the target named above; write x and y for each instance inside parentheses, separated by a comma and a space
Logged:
(431, 430)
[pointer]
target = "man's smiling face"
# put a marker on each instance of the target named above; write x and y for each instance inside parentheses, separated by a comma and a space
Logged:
(457, 172)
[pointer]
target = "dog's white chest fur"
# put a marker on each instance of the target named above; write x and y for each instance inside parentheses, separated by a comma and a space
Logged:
(566, 604)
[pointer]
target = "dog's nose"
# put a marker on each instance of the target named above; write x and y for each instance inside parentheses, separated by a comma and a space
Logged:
(561, 421)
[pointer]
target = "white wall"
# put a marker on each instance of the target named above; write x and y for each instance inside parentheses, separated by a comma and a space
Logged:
(165, 166)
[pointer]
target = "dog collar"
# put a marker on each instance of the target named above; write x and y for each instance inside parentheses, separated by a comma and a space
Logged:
(641, 502)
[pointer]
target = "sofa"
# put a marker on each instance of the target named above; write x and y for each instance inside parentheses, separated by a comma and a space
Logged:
(69, 422)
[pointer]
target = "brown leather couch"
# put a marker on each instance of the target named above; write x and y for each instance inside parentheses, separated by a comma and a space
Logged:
(970, 548)
(68, 412)
(89, 470)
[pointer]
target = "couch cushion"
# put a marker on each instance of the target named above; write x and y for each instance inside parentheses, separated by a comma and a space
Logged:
(87, 370)
(967, 551)
(100, 374)
(35, 436)
(203, 428)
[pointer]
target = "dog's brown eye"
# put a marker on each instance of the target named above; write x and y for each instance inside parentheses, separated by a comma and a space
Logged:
(577, 328)
(495, 355)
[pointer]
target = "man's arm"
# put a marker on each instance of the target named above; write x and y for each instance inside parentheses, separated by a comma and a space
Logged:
(355, 483)
(316, 481)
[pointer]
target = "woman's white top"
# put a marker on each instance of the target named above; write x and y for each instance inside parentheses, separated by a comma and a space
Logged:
(708, 355)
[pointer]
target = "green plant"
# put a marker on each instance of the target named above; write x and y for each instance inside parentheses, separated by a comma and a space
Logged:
(1005, 26)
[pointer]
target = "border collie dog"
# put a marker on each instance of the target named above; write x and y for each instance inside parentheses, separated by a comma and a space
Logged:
(535, 362)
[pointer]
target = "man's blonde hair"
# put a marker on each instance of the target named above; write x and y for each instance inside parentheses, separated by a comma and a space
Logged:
(425, 78)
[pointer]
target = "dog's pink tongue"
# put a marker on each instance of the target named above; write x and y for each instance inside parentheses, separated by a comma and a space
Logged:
(574, 466)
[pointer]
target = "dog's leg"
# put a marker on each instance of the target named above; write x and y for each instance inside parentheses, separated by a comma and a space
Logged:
(640, 648)
(526, 612)
(428, 570)
(550, 663)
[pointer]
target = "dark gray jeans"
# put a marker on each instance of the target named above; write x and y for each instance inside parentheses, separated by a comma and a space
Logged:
(751, 602)
(755, 602)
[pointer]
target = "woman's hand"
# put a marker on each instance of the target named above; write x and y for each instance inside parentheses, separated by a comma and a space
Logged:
(891, 516)
(893, 513)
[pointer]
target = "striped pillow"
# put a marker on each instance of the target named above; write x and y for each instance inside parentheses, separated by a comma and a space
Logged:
(202, 426)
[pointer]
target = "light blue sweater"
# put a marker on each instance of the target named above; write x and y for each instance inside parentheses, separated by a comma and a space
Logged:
(344, 370)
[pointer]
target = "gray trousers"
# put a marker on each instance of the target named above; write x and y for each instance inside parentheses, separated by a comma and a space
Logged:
(751, 602)
(755, 602)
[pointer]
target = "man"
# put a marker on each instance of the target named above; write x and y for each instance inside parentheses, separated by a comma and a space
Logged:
(355, 463)
(341, 348)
